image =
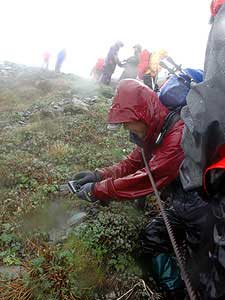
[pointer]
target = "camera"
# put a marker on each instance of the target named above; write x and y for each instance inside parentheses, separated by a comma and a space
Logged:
(73, 186)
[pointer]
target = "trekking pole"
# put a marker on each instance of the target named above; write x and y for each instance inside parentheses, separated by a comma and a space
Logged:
(169, 64)
(191, 292)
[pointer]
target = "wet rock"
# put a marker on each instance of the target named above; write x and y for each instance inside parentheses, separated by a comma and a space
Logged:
(76, 107)
(61, 232)
(76, 218)
(22, 122)
(26, 114)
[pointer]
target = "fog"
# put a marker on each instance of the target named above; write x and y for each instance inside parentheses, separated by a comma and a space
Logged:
(88, 28)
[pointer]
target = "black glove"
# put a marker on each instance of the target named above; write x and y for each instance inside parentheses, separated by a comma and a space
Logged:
(84, 177)
(85, 192)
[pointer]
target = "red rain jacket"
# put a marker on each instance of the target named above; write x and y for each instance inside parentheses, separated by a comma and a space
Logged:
(215, 5)
(144, 57)
(128, 179)
(100, 64)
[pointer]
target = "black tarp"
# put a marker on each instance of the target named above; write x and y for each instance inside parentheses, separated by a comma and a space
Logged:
(204, 115)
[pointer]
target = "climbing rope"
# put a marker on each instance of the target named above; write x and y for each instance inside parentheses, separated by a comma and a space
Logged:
(191, 292)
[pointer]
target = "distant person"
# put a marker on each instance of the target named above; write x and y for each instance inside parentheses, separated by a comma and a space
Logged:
(142, 67)
(60, 59)
(150, 76)
(131, 64)
(46, 59)
(97, 70)
(111, 62)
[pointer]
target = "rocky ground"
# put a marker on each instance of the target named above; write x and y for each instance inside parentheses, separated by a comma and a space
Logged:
(52, 245)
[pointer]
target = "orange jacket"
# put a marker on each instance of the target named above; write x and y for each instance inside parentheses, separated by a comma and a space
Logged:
(155, 58)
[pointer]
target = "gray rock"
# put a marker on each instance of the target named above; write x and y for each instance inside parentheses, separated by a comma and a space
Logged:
(22, 123)
(76, 106)
(76, 218)
(61, 232)
(79, 102)
(12, 272)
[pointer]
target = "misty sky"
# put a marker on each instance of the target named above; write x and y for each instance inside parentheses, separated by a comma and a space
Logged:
(87, 28)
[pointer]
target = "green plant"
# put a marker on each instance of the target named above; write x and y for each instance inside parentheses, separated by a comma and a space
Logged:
(10, 246)
(67, 272)
(113, 236)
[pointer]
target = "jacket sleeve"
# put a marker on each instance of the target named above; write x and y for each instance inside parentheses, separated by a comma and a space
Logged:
(164, 165)
(131, 164)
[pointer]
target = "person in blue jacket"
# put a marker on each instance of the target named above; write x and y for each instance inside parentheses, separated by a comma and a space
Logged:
(60, 59)
(111, 62)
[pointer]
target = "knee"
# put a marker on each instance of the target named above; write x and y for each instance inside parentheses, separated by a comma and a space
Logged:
(154, 239)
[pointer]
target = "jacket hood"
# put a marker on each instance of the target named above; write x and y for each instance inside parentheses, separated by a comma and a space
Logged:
(134, 101)
(215, 6)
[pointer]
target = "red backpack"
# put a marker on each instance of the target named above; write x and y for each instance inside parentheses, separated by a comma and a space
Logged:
(144, 57)
(99, 64)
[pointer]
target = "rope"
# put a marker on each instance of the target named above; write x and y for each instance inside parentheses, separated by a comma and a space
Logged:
(185, 275)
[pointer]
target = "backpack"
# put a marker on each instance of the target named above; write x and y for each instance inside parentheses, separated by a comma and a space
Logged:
(174, 91)
(144, 57)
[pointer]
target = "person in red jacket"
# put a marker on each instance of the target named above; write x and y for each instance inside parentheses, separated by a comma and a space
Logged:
(138, 108)
(97, 70)
(46, 58)
(140, 111)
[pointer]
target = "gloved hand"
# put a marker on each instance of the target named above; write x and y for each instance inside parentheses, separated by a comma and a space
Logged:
(84, 177)
(85, 192)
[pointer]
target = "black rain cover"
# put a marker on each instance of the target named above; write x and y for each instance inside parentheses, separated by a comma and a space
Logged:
(204, 115)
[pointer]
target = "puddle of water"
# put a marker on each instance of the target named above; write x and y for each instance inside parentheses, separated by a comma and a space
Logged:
(55, 219)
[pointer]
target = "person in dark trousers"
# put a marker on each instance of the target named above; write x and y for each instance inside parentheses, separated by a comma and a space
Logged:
(130, 65)
(60, 59)
(111, 61)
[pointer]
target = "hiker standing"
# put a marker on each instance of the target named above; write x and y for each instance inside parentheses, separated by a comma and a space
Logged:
(97, 70)
(150, 76)
(46, 58)
(60, 59)
(111, 61)
(131, 64)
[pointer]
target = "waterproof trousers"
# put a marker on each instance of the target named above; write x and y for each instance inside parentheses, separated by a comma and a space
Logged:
(107, 73)
(192, 221)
